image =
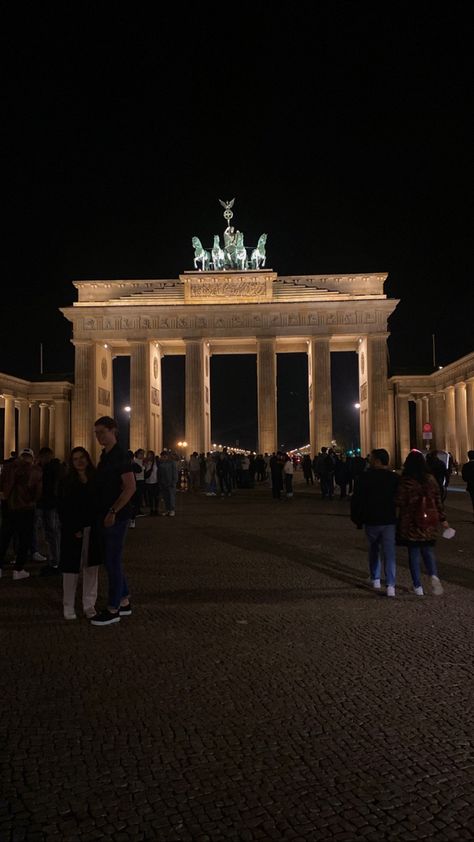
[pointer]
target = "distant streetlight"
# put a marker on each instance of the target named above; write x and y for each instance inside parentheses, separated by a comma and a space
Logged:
(357, 406)
(127, 409)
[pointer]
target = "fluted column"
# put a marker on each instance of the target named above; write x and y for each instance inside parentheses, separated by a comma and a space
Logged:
(437, 416)
(61, 431)
(23, 423)
(35, 427)
(403, 428)
(9, 426)
(195, 396)
(378, 392)
(470, 413)
(461, 422)
(84, 397)
(450, 420)
(267, 395)
(139, 395)
(44, 425)
(320, 422)
(419, 423)
(51, 437)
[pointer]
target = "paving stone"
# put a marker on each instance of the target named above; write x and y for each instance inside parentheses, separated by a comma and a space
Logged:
(259, 691)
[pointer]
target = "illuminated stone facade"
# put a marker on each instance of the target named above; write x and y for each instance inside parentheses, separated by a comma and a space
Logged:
(231, 312)
(444, 399)
(35, 415)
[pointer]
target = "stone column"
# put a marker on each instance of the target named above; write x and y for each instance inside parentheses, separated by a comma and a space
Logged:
(419, 423)
(378, 391)
(84, 397)
(403, 428)
(156, 402)
(437, 416)
(52, 441)
(23, 423)
(320, 422)
(44, 425)
(195, 396)
(267, 395)
(470, 413)
(9, 428)
(461, 422)
(61, 433)
(450, 421)
(139, 396)
(35, 427)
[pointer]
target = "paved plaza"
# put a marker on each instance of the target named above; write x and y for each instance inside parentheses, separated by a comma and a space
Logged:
(259, 691)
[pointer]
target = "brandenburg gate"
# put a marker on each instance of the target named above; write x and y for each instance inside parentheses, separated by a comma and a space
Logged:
(231, 304)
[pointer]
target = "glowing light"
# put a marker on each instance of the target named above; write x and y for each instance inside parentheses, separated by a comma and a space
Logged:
(127, 409)
(357, 406)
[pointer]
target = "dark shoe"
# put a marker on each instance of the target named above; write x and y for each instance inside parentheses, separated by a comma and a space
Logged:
(105, 618)
(49, 570)
(125, 610)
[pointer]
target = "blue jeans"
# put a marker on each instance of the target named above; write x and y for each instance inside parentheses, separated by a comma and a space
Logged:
(114, 540)
(382, 535)
(427, 553)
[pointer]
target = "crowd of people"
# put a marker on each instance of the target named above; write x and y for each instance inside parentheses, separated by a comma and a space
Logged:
(82, 511)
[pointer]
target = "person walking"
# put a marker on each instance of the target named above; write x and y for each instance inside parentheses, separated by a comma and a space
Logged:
(168, 478)
(288, 472)
(210, 476)
(420, 515)
(81, 545)
(115, 482)
(373, 506)
(467, 473)
(151, 483)
(20, 489)
(308, 469)
(194, 472)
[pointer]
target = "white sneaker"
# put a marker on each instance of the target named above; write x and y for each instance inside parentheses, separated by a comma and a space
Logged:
(20, 574)
(436, 586)
(171, 514)
(131, 525)
(376, 584)
(38, 557)
(418, 591)
(70, 615)
(390, 590)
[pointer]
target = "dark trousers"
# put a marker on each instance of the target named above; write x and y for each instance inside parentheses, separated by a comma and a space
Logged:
(152, 495)
(114, 540)
(18, 525)
(137, 499)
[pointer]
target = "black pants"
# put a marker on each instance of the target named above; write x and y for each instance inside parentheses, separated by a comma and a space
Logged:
(18, 525)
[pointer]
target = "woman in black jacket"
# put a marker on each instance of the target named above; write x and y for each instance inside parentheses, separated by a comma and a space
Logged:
(80, 537)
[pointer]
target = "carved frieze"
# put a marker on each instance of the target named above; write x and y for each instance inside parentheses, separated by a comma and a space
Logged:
(363, 392)
(155, 396)
(228, 287)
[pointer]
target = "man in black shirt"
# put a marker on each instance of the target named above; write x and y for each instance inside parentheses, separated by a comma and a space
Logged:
(115, 482)
(373, 506)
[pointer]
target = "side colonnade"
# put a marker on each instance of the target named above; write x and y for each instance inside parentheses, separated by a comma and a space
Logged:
(444, 400)
(36, 415)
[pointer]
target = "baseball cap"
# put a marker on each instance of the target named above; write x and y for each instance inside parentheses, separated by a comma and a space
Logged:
(27, 450)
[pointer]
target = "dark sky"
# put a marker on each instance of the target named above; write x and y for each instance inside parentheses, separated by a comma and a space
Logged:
(343, 133)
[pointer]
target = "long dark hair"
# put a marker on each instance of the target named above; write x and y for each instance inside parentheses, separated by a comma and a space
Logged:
(90, 469)
(415, 467)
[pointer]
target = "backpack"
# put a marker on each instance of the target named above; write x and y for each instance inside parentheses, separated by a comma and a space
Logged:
(426, 512)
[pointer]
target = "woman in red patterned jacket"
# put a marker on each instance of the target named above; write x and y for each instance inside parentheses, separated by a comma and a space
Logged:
(420, 516)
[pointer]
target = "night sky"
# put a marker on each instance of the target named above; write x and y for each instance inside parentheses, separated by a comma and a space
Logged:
(345, 134)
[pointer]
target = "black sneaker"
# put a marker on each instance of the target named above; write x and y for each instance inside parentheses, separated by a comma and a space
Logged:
(105, 618)
(125, 610)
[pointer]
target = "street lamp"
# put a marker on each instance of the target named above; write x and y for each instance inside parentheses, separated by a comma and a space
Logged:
(357, 406)
(127, 409)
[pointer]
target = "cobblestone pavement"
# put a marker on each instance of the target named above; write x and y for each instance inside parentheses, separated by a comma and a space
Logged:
(259, 691)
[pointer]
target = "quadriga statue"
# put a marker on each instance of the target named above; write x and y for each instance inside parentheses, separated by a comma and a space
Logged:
(258, 256)
(200, 255)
